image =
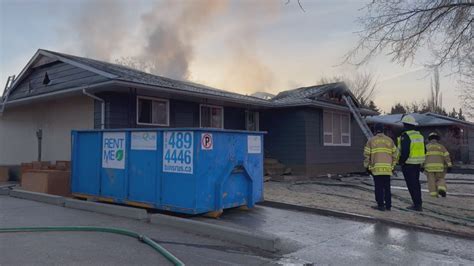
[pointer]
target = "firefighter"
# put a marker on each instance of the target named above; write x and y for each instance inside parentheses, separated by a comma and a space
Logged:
(436, 165)
(380, 158)
(411, 149)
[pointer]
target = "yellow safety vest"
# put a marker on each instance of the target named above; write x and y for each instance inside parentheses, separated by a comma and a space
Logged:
(380, 155)
(417, 147)
(437, 157)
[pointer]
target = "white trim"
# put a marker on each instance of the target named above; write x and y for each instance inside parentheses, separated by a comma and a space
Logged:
(348, 115)
(102, 107)
(156, 100)
(211, 106)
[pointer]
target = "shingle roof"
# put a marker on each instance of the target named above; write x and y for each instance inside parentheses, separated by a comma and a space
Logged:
(306, 96)
(136, 76)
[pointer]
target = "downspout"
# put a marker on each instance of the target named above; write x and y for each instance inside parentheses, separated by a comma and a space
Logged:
(102, 107)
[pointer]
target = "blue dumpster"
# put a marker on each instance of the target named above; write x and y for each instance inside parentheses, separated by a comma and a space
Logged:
(182, 170)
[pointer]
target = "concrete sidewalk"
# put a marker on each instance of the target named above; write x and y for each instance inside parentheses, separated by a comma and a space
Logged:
(66, 248)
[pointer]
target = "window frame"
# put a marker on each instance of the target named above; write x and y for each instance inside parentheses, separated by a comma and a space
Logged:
(211, 106)
(167, 101)
(349, 135)
(257, 120)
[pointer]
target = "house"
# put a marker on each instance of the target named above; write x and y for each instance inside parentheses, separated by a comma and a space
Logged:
(309, 129)
(456, 135)
(312, 130)
(57, 92)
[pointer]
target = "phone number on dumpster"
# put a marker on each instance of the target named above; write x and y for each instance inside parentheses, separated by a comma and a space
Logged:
(178, 152)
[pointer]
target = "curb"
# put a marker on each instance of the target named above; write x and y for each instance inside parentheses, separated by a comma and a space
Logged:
(5, 192)
(257, 240)
(45, 198)
(115, 210)
(363, 218)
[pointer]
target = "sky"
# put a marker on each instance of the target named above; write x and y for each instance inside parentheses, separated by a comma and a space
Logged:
(237, 45)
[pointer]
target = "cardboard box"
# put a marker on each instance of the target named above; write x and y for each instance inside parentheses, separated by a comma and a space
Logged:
(47, 181)
(41, 165)
(4, 175)
(63, 165)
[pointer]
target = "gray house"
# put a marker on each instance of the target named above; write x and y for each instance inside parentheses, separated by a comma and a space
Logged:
(312, 130)
(309, 129)
(456, 135)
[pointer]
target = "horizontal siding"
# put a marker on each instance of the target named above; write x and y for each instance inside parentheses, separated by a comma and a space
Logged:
(234, 118)
(317, 153)
(62, 76)
(121, 112)
(286, 139)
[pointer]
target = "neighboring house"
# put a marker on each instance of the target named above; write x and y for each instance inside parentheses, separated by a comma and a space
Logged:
(457, 135)
(313, 132)
(58, 92)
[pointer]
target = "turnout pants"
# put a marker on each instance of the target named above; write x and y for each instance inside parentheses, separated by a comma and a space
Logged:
(436, 182)
(411, 172)
(383, 195)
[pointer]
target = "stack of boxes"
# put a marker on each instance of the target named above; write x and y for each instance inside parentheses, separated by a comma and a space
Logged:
(45, 177)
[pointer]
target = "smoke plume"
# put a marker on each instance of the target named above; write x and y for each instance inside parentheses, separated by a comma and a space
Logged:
(166, 36)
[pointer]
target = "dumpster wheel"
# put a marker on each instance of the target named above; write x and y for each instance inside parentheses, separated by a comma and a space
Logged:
(157, 247)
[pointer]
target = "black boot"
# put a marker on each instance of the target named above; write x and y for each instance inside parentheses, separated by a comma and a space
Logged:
(379, 208)
(415, 208)
(442, 193)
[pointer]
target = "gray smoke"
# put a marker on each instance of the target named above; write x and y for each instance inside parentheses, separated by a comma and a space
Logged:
(168, 32)
(170, 39)
(99, 27)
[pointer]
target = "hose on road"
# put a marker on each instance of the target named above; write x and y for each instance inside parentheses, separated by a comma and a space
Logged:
(170, 257)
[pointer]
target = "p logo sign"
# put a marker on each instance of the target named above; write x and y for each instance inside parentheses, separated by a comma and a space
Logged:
(207, 141)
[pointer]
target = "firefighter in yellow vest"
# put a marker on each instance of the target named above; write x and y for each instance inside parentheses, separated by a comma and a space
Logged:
(437, 163)
(411, 149)
(380, 158)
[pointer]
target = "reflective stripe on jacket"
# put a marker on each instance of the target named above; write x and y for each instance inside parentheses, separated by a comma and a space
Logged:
(417, 147)
(380, 155)
(437, 157)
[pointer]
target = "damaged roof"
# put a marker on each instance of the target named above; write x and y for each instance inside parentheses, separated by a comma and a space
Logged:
(307, 96)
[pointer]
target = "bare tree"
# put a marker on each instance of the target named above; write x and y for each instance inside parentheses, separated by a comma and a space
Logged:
(362, 85)
(435, 102)
(404, 27)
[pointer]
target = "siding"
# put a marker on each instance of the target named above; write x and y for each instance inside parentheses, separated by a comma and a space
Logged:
(317, 153)
(120, 112)
(117, 110)
(234, 118)
(286, 137)
(62, 76)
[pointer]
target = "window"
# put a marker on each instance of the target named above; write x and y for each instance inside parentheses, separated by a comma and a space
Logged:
(337, 129)
(152, 111)
(251, 120)
(211, 116)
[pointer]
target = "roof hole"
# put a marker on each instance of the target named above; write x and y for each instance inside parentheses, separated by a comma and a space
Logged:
(46, 79)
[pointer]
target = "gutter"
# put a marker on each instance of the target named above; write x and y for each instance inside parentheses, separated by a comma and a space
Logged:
(102, 107)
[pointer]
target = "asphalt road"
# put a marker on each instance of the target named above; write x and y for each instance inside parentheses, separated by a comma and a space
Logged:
(327, 240)
(308, 238)
(77, 248)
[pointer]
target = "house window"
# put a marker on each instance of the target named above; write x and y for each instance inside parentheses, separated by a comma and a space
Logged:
(251, 120)
(337, 129)
(152, 111)
(211, 116)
